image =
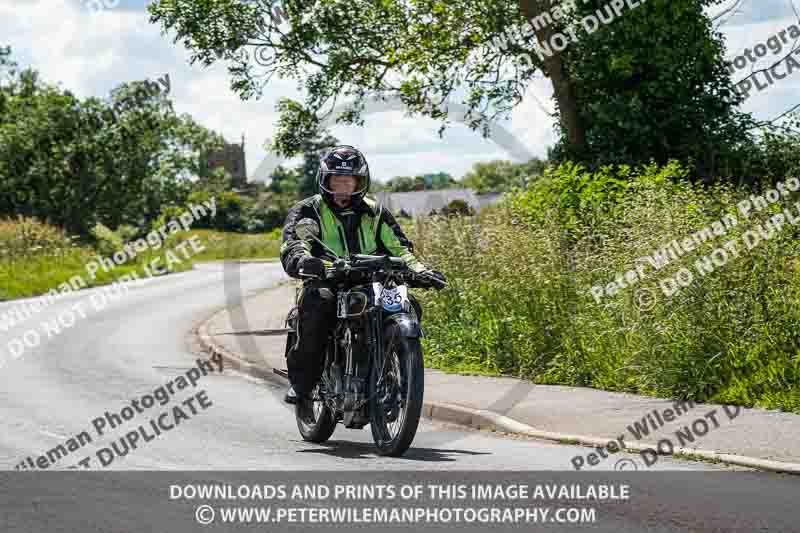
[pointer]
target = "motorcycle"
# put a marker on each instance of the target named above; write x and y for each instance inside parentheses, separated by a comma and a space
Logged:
(373, 371)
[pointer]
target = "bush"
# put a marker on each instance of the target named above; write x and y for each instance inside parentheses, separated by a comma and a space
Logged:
(169, 212)
(458, 207)
(25, 236)
(275, 235)
(106, 241)
(261, 220)
(230, 213)
(127, 232)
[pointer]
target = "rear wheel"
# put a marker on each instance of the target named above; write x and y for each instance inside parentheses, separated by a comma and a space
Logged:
(315, 420)
(396, 395)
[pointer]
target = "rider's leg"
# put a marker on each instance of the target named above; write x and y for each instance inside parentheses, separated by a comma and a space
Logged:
(317, 308)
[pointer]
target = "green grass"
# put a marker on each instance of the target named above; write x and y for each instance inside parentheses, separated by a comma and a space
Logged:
(221, 246)
(35, 258)
(33, 276)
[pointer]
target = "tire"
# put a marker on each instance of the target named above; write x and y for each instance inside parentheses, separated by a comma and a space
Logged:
(314, 426)
(409, 356)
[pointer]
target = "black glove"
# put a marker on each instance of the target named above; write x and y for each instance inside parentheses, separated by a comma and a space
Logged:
(312, 265)
(435, 278)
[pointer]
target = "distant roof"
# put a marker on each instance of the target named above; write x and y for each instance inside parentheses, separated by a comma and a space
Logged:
(420, 203)
(488, 198)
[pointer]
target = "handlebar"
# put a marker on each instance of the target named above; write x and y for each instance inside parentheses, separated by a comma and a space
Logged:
(365, 266)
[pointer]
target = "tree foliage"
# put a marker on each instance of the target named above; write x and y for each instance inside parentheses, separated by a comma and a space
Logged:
(78, 163)
(419, 52)
(651, 85)
(439, 180)
(301, 181)
(502, 176)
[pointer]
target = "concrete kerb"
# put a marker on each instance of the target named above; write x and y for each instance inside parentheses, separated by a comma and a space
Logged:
(481, 419)
(486, 420)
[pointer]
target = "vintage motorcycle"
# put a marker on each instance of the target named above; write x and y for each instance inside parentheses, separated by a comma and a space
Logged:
(373, 371)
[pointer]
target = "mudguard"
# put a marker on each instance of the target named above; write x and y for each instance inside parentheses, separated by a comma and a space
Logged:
(292, 324)
(408, 326)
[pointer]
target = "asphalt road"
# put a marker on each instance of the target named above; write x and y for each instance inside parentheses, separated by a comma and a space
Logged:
(129, 347)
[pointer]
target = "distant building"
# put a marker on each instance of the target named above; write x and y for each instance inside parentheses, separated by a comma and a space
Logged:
(232, 159)
(421, 203)
(488, 199)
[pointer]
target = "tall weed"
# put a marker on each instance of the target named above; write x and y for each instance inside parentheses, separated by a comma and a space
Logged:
(522, 273)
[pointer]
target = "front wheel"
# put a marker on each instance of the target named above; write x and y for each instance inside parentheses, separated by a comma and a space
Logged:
(396, 394)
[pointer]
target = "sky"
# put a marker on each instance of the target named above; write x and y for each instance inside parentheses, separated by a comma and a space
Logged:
(89, 49)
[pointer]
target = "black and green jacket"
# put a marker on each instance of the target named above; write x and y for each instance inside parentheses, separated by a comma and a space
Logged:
(365, 229)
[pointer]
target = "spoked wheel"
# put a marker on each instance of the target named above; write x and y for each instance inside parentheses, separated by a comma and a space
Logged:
(396, 393)
(315, 420)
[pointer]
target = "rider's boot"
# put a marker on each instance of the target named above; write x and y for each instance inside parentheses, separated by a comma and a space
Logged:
(292, 396)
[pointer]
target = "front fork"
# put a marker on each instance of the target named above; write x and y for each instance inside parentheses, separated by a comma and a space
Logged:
(358, 361)
(406, 325)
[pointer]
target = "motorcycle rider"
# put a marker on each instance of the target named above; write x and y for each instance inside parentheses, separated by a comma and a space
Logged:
(349, 222)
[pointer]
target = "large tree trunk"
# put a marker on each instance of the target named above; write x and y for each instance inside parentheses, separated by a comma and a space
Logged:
(554, 69)
(576, 135)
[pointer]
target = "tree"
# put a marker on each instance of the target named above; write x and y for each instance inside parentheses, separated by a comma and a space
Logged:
(639, 99)
(400, 184)
(284, 181)
(502, 176)
(494, 176)
(78, 163)
(554, 68)
(378, 186)
(616, 99)
(150, 151)
(439, 180)
(217, 182)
